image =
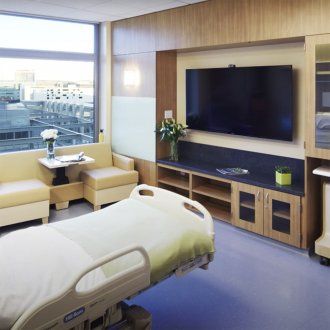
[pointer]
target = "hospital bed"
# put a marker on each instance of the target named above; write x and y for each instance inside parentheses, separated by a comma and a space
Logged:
(69, 274)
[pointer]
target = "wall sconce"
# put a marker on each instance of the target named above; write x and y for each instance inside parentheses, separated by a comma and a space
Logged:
(131, 78)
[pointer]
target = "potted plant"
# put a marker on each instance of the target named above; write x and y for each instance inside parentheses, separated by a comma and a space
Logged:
(50, 136)
(171, 131)
(283, 175)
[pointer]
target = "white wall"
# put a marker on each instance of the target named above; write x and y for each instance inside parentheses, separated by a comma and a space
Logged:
(133, 126)
(284, 54)
(105, 80)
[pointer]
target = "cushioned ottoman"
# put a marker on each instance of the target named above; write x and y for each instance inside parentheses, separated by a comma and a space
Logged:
(23, 200)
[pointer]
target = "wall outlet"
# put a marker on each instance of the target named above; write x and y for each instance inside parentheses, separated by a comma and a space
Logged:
(168, 114)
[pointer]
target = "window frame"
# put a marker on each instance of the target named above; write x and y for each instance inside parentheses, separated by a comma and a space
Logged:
(63, 56)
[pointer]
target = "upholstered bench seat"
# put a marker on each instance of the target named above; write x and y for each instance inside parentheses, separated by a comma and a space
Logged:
(108, 177)
(22, 192)
(23, 200)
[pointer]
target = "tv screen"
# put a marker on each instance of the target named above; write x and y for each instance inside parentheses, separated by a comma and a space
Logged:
(249, 101)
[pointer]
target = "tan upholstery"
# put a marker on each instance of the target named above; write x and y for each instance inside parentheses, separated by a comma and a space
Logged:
(24, 165)
(108, 177)
(123, 162)
(22, 192)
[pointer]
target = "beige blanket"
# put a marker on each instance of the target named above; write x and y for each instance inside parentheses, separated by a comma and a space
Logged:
(169, 241)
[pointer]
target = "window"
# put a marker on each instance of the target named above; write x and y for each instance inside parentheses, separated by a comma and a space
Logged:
(47, 80)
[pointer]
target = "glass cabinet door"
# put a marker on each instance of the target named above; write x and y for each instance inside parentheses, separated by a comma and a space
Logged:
(282, 217)
(248, 210)
(322, 96)
(318, 96)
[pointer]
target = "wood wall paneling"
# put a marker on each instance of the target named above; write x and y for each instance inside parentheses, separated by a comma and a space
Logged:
(145, 64)
(221, 22)
(166, 89)
(134, 35)
(147, 171)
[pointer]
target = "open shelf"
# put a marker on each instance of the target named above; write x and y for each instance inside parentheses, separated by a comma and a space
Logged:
(175, 181)
(174, 178)
(219, 209)
(177, 190)
(210, 190)
(285, 214)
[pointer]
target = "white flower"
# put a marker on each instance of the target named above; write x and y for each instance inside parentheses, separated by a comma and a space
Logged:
(49, 134)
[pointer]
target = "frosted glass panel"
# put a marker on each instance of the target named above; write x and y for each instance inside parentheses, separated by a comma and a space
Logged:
(133, 126)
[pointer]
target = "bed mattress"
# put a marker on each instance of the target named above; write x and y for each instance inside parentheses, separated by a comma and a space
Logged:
(37, 262)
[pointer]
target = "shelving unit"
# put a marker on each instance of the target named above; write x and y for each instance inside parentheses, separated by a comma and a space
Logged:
(183, 192)
(175, 181)
(219, 209)
(265, 212)
(213, 193)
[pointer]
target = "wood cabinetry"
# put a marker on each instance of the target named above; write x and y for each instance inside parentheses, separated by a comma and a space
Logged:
(248, 207)
(318, 96)
(282, 213)
(214, 193)
(265, 212)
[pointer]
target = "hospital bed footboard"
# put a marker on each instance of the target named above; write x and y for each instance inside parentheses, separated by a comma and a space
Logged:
(174, 204)
(72, 308)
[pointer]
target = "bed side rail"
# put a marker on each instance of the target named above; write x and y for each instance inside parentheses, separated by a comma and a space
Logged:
(71, 307)
(171, 202)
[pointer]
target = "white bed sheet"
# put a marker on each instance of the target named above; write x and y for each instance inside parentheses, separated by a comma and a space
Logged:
(37, 268)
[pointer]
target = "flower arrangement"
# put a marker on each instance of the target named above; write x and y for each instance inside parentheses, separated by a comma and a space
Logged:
(171, 131)
(50, 136)
(283, 175)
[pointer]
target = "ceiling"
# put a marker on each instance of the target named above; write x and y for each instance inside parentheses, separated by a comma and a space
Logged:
(90, 10)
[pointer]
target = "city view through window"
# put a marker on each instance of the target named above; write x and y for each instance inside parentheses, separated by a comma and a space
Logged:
(44, 93)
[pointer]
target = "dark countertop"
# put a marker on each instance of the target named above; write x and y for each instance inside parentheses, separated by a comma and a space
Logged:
(253, 178)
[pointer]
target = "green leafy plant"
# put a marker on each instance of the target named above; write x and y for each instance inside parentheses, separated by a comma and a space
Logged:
(283, 169)
(171, 131)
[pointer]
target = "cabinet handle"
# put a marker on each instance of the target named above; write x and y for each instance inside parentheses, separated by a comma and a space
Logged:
(267, 200)
(258, 196)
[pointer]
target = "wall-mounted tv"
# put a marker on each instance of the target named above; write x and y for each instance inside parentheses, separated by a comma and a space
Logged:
(249, 101)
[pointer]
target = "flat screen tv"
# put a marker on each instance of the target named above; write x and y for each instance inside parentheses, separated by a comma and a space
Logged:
(249, 101)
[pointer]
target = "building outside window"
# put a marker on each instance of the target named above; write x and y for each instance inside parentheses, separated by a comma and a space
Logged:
(47, 80)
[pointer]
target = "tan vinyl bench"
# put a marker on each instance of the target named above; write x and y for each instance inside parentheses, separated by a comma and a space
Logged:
(24, 180)
(23, 200)
(110, 184)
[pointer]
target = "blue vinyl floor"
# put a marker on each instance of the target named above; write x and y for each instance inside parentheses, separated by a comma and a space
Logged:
(253, 283)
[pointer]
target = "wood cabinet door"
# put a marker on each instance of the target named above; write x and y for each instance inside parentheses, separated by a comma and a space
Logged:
(248, 207)
(318, 99)
(282, 217)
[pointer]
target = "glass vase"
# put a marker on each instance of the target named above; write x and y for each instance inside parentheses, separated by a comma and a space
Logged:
(50, 149)
(174, 154)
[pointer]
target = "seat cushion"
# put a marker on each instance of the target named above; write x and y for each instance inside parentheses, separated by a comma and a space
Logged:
(108, 177)
(23, 192)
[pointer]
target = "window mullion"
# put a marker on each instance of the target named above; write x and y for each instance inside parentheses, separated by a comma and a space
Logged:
(46, 55)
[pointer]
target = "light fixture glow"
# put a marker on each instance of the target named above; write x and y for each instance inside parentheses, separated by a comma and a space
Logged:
(131, 78)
